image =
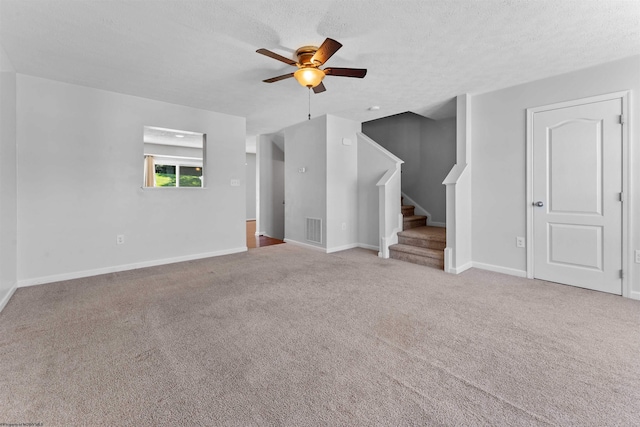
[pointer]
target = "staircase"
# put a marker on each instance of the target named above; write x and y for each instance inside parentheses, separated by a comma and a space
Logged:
(419, 243)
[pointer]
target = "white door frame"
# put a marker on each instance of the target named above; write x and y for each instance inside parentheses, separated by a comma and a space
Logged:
(626, 206)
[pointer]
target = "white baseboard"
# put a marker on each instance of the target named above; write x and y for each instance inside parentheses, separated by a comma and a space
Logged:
(499, 269)
(7, 297)
(370, 247)
(88, 273)
(251, 219)
(259, 233)
(462, 268)
(634, 295)
(305, 245)
(447, 261)
(351, 246)
(342, 248)
(448, 268)
(437, 224)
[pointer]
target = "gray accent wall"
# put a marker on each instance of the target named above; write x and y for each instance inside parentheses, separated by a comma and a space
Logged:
(428, 148)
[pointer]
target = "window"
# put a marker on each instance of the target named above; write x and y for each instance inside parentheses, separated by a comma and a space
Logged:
(173, 158)
(177, 175)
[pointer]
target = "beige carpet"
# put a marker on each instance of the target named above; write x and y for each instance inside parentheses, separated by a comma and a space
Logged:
(288, 336)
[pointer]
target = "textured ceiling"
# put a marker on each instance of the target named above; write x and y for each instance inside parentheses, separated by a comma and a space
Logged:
(420, 54)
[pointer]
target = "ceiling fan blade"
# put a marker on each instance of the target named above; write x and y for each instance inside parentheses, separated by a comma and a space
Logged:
(326, 51)
(346, 72)
(277, 79)
(320, 88)
(276, 56)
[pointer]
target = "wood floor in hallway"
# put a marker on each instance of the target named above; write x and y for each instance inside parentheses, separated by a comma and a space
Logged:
(254, 241)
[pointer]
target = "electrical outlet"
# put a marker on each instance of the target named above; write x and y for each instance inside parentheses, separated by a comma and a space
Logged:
(520, 242)
(637, 256)
(235, 183)
(120, 239)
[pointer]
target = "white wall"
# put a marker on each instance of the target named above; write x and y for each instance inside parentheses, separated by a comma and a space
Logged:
(80, 154)
(328, 188)
(342, 183)
(499, 155)
(8, 195)
(251, 185)
(270, 164)
(373, 162)
(457, 254)
(305, 192)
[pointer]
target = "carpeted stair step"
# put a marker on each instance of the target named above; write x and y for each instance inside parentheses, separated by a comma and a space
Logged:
(408, 210)
(417, 255)
(413, 221)
(424, 237)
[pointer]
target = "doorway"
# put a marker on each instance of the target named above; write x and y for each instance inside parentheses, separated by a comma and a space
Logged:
(576, 182)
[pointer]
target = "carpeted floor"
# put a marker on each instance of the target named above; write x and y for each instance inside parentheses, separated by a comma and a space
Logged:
(288, 336)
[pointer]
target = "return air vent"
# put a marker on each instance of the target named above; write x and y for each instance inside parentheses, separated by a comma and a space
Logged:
(314, 230)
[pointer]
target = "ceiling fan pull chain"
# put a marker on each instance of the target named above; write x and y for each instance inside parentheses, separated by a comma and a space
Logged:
(309, 102)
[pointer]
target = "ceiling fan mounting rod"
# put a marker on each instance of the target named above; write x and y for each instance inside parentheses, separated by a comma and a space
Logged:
(305, 53)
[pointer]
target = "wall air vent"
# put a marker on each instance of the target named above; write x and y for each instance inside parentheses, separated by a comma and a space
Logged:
(314, 230)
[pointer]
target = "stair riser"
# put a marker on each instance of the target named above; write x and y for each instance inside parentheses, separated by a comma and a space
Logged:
(406, 225)
(408, 210)
(417, 259)
(423, 243)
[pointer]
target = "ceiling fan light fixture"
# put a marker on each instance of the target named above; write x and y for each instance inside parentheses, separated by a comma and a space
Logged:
(309, 59)
(309, 76)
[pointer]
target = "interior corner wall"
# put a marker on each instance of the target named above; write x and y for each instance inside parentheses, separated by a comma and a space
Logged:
(80, 172)
(305, 192)
(270, 159)
(499, 158)
(251, 185)
(8, 185)
(342, 183)
(428, 149)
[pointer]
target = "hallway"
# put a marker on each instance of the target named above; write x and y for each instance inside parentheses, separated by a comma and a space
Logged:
(254, 241)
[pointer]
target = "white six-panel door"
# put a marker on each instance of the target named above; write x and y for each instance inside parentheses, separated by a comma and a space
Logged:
(577, 185)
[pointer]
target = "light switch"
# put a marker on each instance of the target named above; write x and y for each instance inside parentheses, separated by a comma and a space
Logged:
(235, 183)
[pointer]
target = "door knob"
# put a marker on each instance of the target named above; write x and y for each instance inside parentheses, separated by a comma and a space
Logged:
(538, 204)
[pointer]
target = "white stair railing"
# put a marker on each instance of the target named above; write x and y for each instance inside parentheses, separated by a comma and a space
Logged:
(379, 209)
(390, 220)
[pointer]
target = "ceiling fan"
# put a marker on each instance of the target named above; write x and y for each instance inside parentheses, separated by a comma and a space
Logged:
(310, 58)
